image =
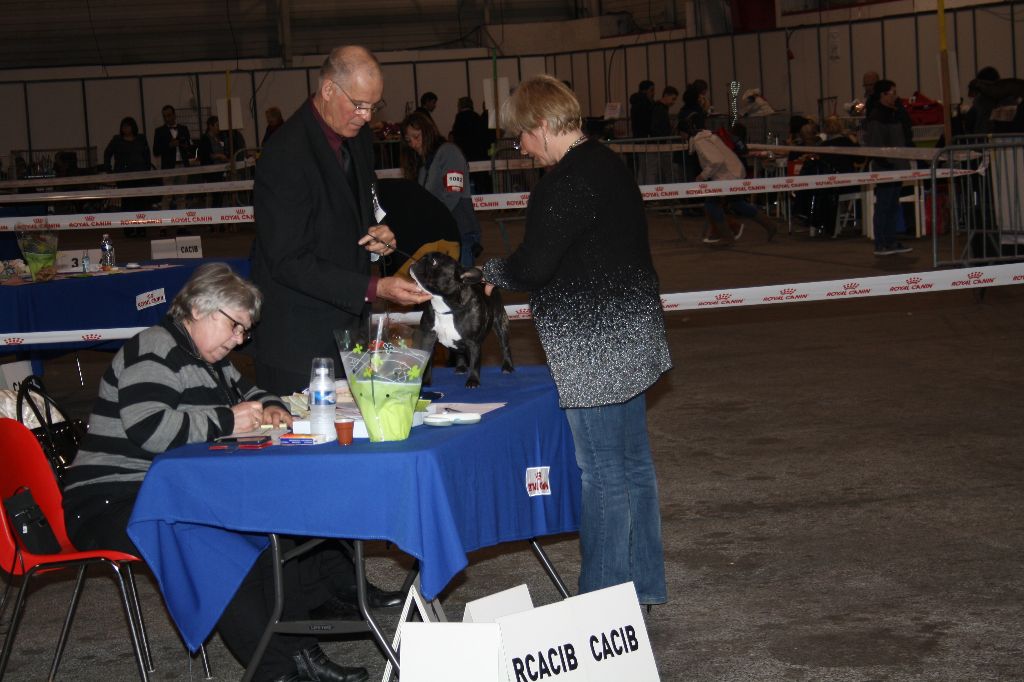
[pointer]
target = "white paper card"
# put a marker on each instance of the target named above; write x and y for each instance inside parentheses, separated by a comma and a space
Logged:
(148, 299)
(71, 260)
(492, 607)
(452, 652)
(612, 110)
(159, 249)
(189, 246)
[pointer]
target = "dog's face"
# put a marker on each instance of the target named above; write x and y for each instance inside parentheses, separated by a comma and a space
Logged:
(438, 274)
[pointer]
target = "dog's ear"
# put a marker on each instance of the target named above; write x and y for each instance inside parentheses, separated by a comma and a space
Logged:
(471, 276)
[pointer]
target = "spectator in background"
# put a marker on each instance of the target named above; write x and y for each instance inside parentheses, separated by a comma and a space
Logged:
(661, 124)
(125, 153)
(469, 132)
(885, 128)
(753, 104)
(274, 121)
(442, 170)
(641, 108)
(215, 147)
(691, 117)
(428, 102)
(171, 142)
(719, 162)
(659, 163)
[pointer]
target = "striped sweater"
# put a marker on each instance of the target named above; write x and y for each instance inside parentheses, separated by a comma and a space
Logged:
(157, 394)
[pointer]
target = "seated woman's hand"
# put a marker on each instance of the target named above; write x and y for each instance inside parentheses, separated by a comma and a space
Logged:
(275, 416)
(248, 416)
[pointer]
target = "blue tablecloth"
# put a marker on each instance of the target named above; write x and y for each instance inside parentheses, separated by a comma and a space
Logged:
(201, 517)
(96, 302)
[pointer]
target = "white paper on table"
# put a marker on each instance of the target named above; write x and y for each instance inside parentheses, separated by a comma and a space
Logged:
(475, 408)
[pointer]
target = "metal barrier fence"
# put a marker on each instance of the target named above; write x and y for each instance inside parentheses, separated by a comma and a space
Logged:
(986, 215)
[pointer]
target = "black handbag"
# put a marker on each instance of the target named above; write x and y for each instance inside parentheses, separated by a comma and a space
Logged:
(29, 524)
(58, 435)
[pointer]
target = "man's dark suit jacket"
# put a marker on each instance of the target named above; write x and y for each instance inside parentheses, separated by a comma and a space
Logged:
(305, 258)
(162, 145)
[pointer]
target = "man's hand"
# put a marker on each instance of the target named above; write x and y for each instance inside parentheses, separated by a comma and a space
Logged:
(400, 290)
(379, 240)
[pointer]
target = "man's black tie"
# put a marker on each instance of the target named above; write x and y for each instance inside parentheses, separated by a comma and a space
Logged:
(345, 158)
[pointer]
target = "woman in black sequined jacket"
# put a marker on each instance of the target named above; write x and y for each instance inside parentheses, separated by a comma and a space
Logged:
(586, 261)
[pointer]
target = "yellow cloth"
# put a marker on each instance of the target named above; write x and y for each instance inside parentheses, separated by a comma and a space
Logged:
(442, 245)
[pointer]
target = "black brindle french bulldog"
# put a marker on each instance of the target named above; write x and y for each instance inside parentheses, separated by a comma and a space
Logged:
(461, 313)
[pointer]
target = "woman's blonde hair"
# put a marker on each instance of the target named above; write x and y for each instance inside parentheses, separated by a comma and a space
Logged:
(541, 98)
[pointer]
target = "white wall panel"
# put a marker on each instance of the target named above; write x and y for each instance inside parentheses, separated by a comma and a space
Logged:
(619, 89)
(656, 68)
(747, 67)
(835, 65)
(398, 91)
(598, 91)
(675, 57)
(995, 38)
(13, 133)
(57, 114)
(901, 54)
(563, 67)
(448, 81)
(804, 71)
(963, 24)
(637, 69)
(722, 71)
(1018, 24)
(775, 87)
(697, 60)
(866, 53)
(108, 101)
(581, 81)
(928, 51)
(526, 67)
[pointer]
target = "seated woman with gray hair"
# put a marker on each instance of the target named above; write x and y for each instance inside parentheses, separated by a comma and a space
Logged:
(171, 385)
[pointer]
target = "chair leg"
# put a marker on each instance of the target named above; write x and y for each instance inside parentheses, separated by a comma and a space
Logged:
(126, 603)
(12, 629)
(206, 662)
(63, 639)
(133, 594)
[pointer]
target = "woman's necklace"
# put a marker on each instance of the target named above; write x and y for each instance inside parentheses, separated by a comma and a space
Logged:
(579, 140)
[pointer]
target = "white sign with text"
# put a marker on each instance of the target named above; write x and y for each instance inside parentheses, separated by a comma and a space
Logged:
(453, 652)
(597, 637)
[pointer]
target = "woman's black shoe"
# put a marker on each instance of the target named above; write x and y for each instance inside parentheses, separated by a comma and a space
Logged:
(312, 664)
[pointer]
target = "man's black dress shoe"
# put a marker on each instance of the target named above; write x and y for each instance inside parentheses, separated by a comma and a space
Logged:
(376, 598)
(313, 665)
(335, 609)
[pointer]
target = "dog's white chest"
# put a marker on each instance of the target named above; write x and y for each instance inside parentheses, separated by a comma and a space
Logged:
(444, 323)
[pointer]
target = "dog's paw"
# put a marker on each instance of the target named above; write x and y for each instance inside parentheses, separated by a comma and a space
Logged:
(507, 368)
(473, 382)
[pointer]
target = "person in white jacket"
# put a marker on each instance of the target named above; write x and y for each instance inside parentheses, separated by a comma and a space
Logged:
(718, 162)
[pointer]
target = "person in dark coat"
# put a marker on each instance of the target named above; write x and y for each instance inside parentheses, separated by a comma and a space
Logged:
(586, 261)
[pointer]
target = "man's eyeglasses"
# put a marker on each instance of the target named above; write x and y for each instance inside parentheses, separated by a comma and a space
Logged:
(237, 328)
(362, 107)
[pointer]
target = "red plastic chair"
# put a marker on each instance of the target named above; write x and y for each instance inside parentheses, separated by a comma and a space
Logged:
(23, 464)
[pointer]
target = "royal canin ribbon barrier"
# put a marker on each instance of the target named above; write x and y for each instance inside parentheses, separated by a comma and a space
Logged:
(91, 221)
(802, 292)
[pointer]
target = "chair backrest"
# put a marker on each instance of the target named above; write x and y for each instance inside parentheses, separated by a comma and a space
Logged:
(23, 464)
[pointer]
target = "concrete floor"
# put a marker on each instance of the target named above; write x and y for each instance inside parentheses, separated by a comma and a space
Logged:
(841, 484)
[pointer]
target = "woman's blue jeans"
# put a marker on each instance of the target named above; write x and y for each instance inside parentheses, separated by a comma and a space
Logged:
(620, 528)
